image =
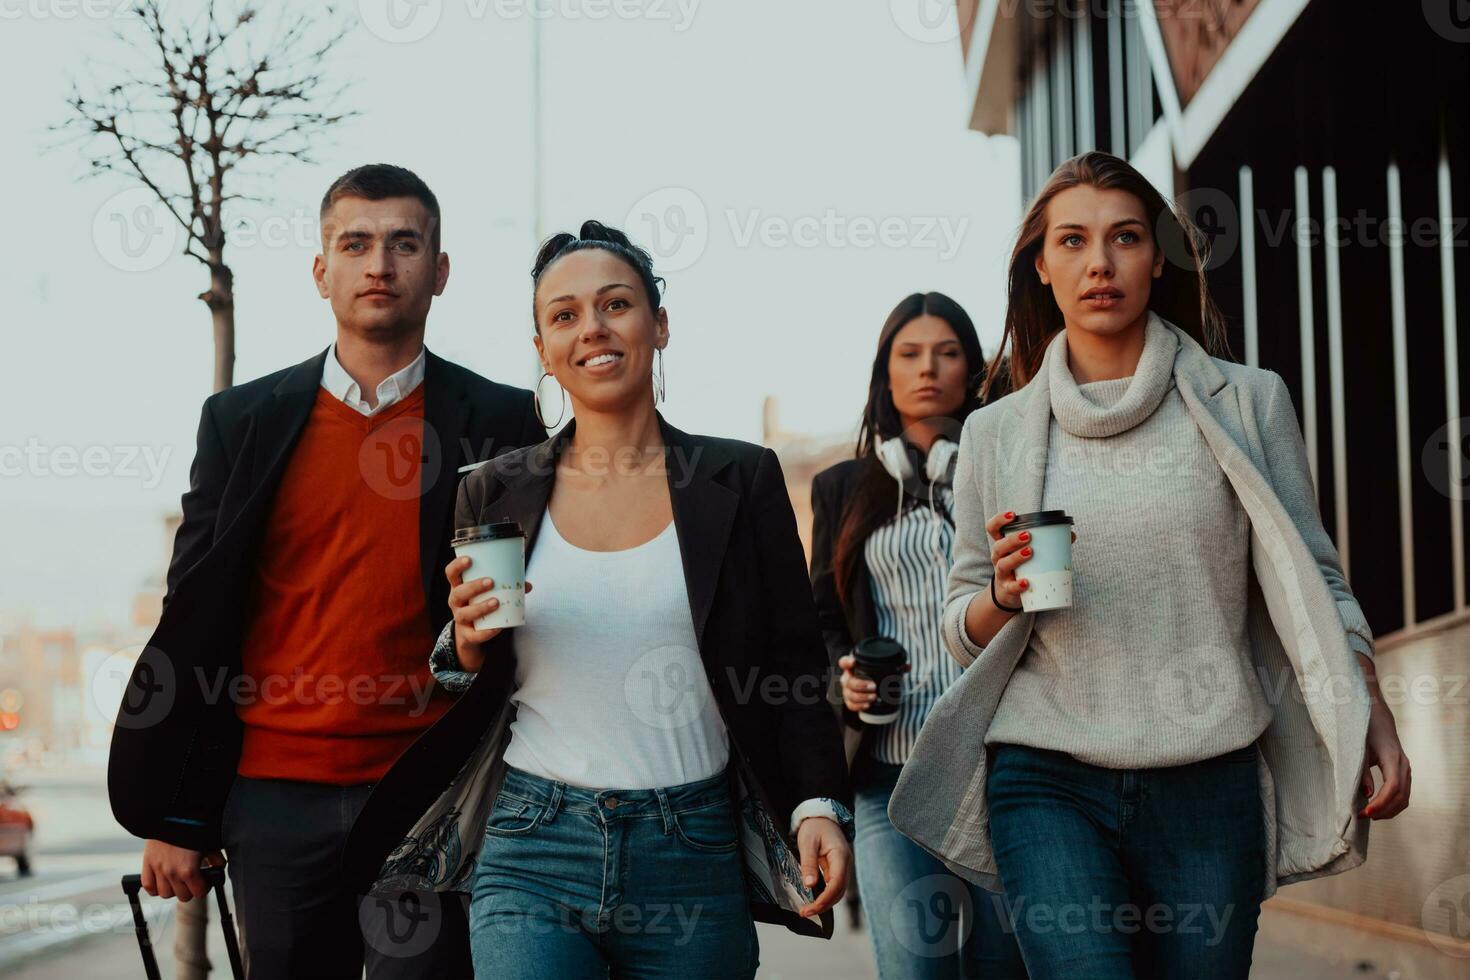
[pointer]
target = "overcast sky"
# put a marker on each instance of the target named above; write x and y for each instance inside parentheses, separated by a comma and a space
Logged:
(796, 168)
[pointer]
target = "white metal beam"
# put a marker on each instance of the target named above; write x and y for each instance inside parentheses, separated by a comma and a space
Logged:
(1451, 372)
(1248, 266)
(1401, 387)
(1305, 318)
(1082, 79)
(1336, 380)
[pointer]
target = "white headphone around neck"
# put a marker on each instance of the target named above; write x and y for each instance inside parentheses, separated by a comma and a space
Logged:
(893, 454)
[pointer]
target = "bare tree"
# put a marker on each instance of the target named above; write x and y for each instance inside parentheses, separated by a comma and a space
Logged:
(219, 94)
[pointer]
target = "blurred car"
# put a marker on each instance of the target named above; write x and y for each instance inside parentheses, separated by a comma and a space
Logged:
(16, 827)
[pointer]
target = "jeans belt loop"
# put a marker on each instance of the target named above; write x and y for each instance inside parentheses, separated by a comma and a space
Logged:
(666, 810)
(554, 804)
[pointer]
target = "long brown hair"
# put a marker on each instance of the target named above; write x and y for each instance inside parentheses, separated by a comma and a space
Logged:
(872, 502)
(1180, 295)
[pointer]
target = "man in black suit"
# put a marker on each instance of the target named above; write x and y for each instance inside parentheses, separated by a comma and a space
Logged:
(290, 665)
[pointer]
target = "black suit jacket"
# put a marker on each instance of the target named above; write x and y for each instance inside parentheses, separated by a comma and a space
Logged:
(176, 742)
(753, 616)
(846, 619)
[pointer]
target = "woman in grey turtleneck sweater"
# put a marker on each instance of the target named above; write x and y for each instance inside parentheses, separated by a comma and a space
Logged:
(1122, 789)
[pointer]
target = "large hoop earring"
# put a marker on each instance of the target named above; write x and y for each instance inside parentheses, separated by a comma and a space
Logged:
(660, 384)
(536, 400)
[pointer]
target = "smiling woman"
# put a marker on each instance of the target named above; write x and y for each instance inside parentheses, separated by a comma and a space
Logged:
(648, 738)
(599, 341)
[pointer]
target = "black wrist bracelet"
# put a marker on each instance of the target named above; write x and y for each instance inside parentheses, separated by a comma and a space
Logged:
(995, 599)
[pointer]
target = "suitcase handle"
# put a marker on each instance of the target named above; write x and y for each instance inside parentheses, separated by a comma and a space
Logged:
(214, 877)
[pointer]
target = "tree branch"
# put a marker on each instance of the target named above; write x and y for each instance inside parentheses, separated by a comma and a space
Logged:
(215, 94)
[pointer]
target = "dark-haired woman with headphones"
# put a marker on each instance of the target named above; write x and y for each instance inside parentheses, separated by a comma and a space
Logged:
(646, 766)
(881, 552)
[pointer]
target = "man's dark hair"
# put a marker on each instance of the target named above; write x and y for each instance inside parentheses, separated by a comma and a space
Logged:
(378, 181)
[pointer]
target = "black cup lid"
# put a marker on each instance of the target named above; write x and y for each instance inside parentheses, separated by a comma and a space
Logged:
(880, 649)
(1038, 518)
(486, 532)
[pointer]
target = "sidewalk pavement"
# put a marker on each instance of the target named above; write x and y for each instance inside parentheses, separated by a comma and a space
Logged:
(1288, 947)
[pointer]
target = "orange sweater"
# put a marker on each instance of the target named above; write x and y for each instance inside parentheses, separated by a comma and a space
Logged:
(336, 654)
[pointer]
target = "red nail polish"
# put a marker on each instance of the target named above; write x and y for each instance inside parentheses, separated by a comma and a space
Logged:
(1026, 552)
(1025, 535)
(1010, 514)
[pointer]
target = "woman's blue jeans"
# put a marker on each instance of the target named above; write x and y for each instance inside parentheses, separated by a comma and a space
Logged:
(1124, 873)
(925, 922)
(575, 882)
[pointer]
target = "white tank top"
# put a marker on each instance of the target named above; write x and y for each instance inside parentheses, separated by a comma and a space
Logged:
(611, 692)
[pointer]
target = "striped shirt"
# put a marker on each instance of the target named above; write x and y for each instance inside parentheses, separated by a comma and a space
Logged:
(908, 562)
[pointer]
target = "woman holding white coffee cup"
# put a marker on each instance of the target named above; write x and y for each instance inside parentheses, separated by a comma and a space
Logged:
(646, 765)
(1147, 742)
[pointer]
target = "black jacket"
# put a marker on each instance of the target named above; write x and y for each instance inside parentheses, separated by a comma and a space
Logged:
(753, 616)
(177, 739)
(850, 619)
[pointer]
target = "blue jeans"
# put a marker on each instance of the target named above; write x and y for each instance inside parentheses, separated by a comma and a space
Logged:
(575, 882)
(1122, 873)
(925, 921)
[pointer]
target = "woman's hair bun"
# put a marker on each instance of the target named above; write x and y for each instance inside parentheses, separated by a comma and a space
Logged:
(595, 231)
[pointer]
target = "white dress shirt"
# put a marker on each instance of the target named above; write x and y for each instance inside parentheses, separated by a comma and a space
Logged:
(392, 389)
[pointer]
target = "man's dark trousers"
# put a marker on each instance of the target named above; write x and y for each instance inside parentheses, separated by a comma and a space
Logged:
(284, 844)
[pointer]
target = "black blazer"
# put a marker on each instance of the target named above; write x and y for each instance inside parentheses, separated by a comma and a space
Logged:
(850, 619)
(753, 616)
(176, 742)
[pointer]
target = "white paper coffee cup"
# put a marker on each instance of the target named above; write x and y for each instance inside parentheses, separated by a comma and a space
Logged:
(497, 552)
(1049, 569)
